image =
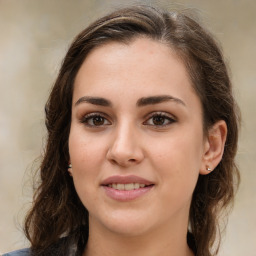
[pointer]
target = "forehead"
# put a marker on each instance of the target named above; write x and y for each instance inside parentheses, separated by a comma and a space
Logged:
(143, 66)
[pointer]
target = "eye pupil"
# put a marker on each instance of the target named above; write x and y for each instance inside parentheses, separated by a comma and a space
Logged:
(158, 120)
(98, 120)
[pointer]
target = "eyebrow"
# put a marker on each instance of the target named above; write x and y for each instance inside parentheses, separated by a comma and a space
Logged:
(145, 101)
(95, 101)
(158, 99)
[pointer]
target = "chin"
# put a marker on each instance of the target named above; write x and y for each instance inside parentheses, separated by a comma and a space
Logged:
(130, 225)
(129, 229)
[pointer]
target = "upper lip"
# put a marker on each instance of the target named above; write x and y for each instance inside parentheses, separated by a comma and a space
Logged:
(118, 179)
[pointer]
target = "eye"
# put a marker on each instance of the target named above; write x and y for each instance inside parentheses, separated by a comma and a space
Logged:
(159, 120)
(95, 120)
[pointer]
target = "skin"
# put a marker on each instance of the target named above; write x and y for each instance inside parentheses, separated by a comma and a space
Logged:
(126, 140)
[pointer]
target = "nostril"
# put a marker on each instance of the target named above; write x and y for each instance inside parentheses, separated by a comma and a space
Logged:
(123, 163)
(113, 161)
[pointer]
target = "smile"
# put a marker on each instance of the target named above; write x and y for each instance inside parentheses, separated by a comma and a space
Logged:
(126, 188)
(129, 186)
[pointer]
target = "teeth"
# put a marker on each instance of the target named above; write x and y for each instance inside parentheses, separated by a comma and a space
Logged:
(129, 186)
(120, 186)
(136, 185)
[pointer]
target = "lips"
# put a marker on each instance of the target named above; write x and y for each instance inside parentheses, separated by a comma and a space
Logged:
(126, 188)
(125, 180)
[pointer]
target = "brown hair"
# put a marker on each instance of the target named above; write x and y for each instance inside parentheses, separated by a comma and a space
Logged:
(57, 211)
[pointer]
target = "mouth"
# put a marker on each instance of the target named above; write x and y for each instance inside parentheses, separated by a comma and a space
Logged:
(126, 188)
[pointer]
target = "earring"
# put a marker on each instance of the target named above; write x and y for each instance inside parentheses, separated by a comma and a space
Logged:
(69, 171)
(208, 169)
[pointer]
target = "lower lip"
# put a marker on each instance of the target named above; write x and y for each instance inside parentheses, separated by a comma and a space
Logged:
(126, 195)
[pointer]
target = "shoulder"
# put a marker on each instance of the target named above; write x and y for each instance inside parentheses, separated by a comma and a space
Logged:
(22, 252)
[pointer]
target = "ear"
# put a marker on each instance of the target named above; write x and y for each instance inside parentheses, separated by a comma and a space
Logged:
(214, 147)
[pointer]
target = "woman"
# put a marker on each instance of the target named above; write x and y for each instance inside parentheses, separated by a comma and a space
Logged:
(142, 135)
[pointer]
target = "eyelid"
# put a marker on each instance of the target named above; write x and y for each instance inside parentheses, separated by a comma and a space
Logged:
(87, 116)
(161, 113)
(164, 114)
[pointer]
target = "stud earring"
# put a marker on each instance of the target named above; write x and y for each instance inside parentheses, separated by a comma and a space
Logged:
(208, 169)
(69, 171)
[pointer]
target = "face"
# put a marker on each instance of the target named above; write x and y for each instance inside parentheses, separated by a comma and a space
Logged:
(136, 141)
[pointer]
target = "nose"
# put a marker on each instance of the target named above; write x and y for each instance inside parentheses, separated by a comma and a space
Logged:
(125, 149)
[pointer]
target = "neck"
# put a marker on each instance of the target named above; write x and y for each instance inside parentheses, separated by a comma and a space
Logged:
(165, 241)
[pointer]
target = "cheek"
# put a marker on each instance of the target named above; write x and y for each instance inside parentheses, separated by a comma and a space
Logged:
(85, 156)
(178, 161)
(84, 150)
(176, 152)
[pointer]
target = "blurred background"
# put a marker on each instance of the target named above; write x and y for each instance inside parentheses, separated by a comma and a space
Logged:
(34, 36)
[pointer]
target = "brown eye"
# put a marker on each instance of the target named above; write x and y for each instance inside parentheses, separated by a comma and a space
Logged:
(158, 120)
(95, 120)
(98, 120)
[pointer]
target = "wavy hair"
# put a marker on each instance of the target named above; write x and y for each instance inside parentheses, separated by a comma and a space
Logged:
(57, 211)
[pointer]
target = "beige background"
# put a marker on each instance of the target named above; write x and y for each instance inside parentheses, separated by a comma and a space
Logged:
(34, 37)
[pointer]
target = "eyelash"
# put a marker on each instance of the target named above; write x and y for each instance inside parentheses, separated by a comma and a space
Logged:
(89, 117)
(167, 117)
(85, 120)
